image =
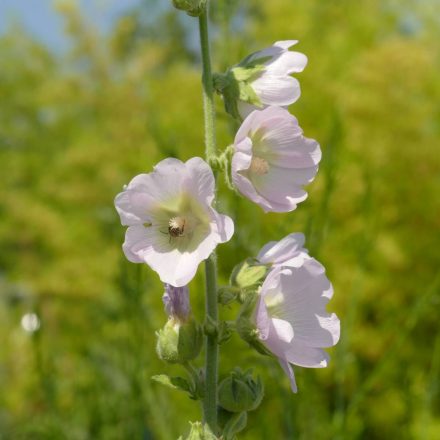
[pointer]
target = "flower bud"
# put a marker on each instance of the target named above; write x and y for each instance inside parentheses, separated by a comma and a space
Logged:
(250, 273)
(240, 392)
(179, 342)
(227, 294)
(194, 8)
(200, 432)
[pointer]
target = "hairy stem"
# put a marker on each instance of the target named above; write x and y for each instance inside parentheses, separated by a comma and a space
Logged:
(211, 365)
(208, 89)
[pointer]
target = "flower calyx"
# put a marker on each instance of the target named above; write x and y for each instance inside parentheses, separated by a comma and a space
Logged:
(245, 324)
(240, 391)
(235, 85)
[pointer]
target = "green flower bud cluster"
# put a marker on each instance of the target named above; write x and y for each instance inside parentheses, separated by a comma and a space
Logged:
(194, 8)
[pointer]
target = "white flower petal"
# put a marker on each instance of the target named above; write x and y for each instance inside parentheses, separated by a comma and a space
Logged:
(240, 162)
(285, 44)
(282, 187)
(133, 207)
(287, 63)
(305, 296)
(277, 252)
(148, 245)
(136, 239)
(289, 371)
(200, 180)
(277, 90)
(166, 180)
(263, 321)
(283, 329)
(245, 109)
(304, 356)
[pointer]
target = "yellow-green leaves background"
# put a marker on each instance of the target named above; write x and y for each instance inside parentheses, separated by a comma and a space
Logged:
(75, 127)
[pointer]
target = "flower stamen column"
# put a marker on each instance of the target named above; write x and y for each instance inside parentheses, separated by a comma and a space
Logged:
(211, 361)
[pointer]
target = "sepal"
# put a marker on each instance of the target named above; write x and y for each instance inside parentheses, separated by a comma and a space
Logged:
(227, 294)
(236, 84)
(245, 324)
(231, 423)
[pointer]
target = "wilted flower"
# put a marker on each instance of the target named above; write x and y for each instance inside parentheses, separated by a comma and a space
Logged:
(180, 340)
(290, 318)
(262, 79)
(171, 224)
(176, 302)
(273, 160)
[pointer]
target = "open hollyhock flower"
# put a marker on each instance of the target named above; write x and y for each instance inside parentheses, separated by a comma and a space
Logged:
(171, 224)
(262, 79)
(273, 85)
(273, 160)
(291, 319)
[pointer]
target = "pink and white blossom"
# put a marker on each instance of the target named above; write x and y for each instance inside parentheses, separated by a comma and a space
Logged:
(274, 85)
(291, 317)
(171, 224)
(272, 160)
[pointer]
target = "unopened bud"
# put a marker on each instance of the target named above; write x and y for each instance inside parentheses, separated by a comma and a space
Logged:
(179, 342)
(248, 274)
(240, 392)
(194, 8)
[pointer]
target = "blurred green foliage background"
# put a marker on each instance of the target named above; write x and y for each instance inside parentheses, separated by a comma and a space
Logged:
(75, 127)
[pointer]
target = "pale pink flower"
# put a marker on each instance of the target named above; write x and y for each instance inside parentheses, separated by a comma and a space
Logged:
(273, 160)
(274, 85)
(171, 224)
(291, 318)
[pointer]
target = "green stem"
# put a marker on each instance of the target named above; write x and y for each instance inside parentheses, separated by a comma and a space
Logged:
(211, 365)
(208, 89)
